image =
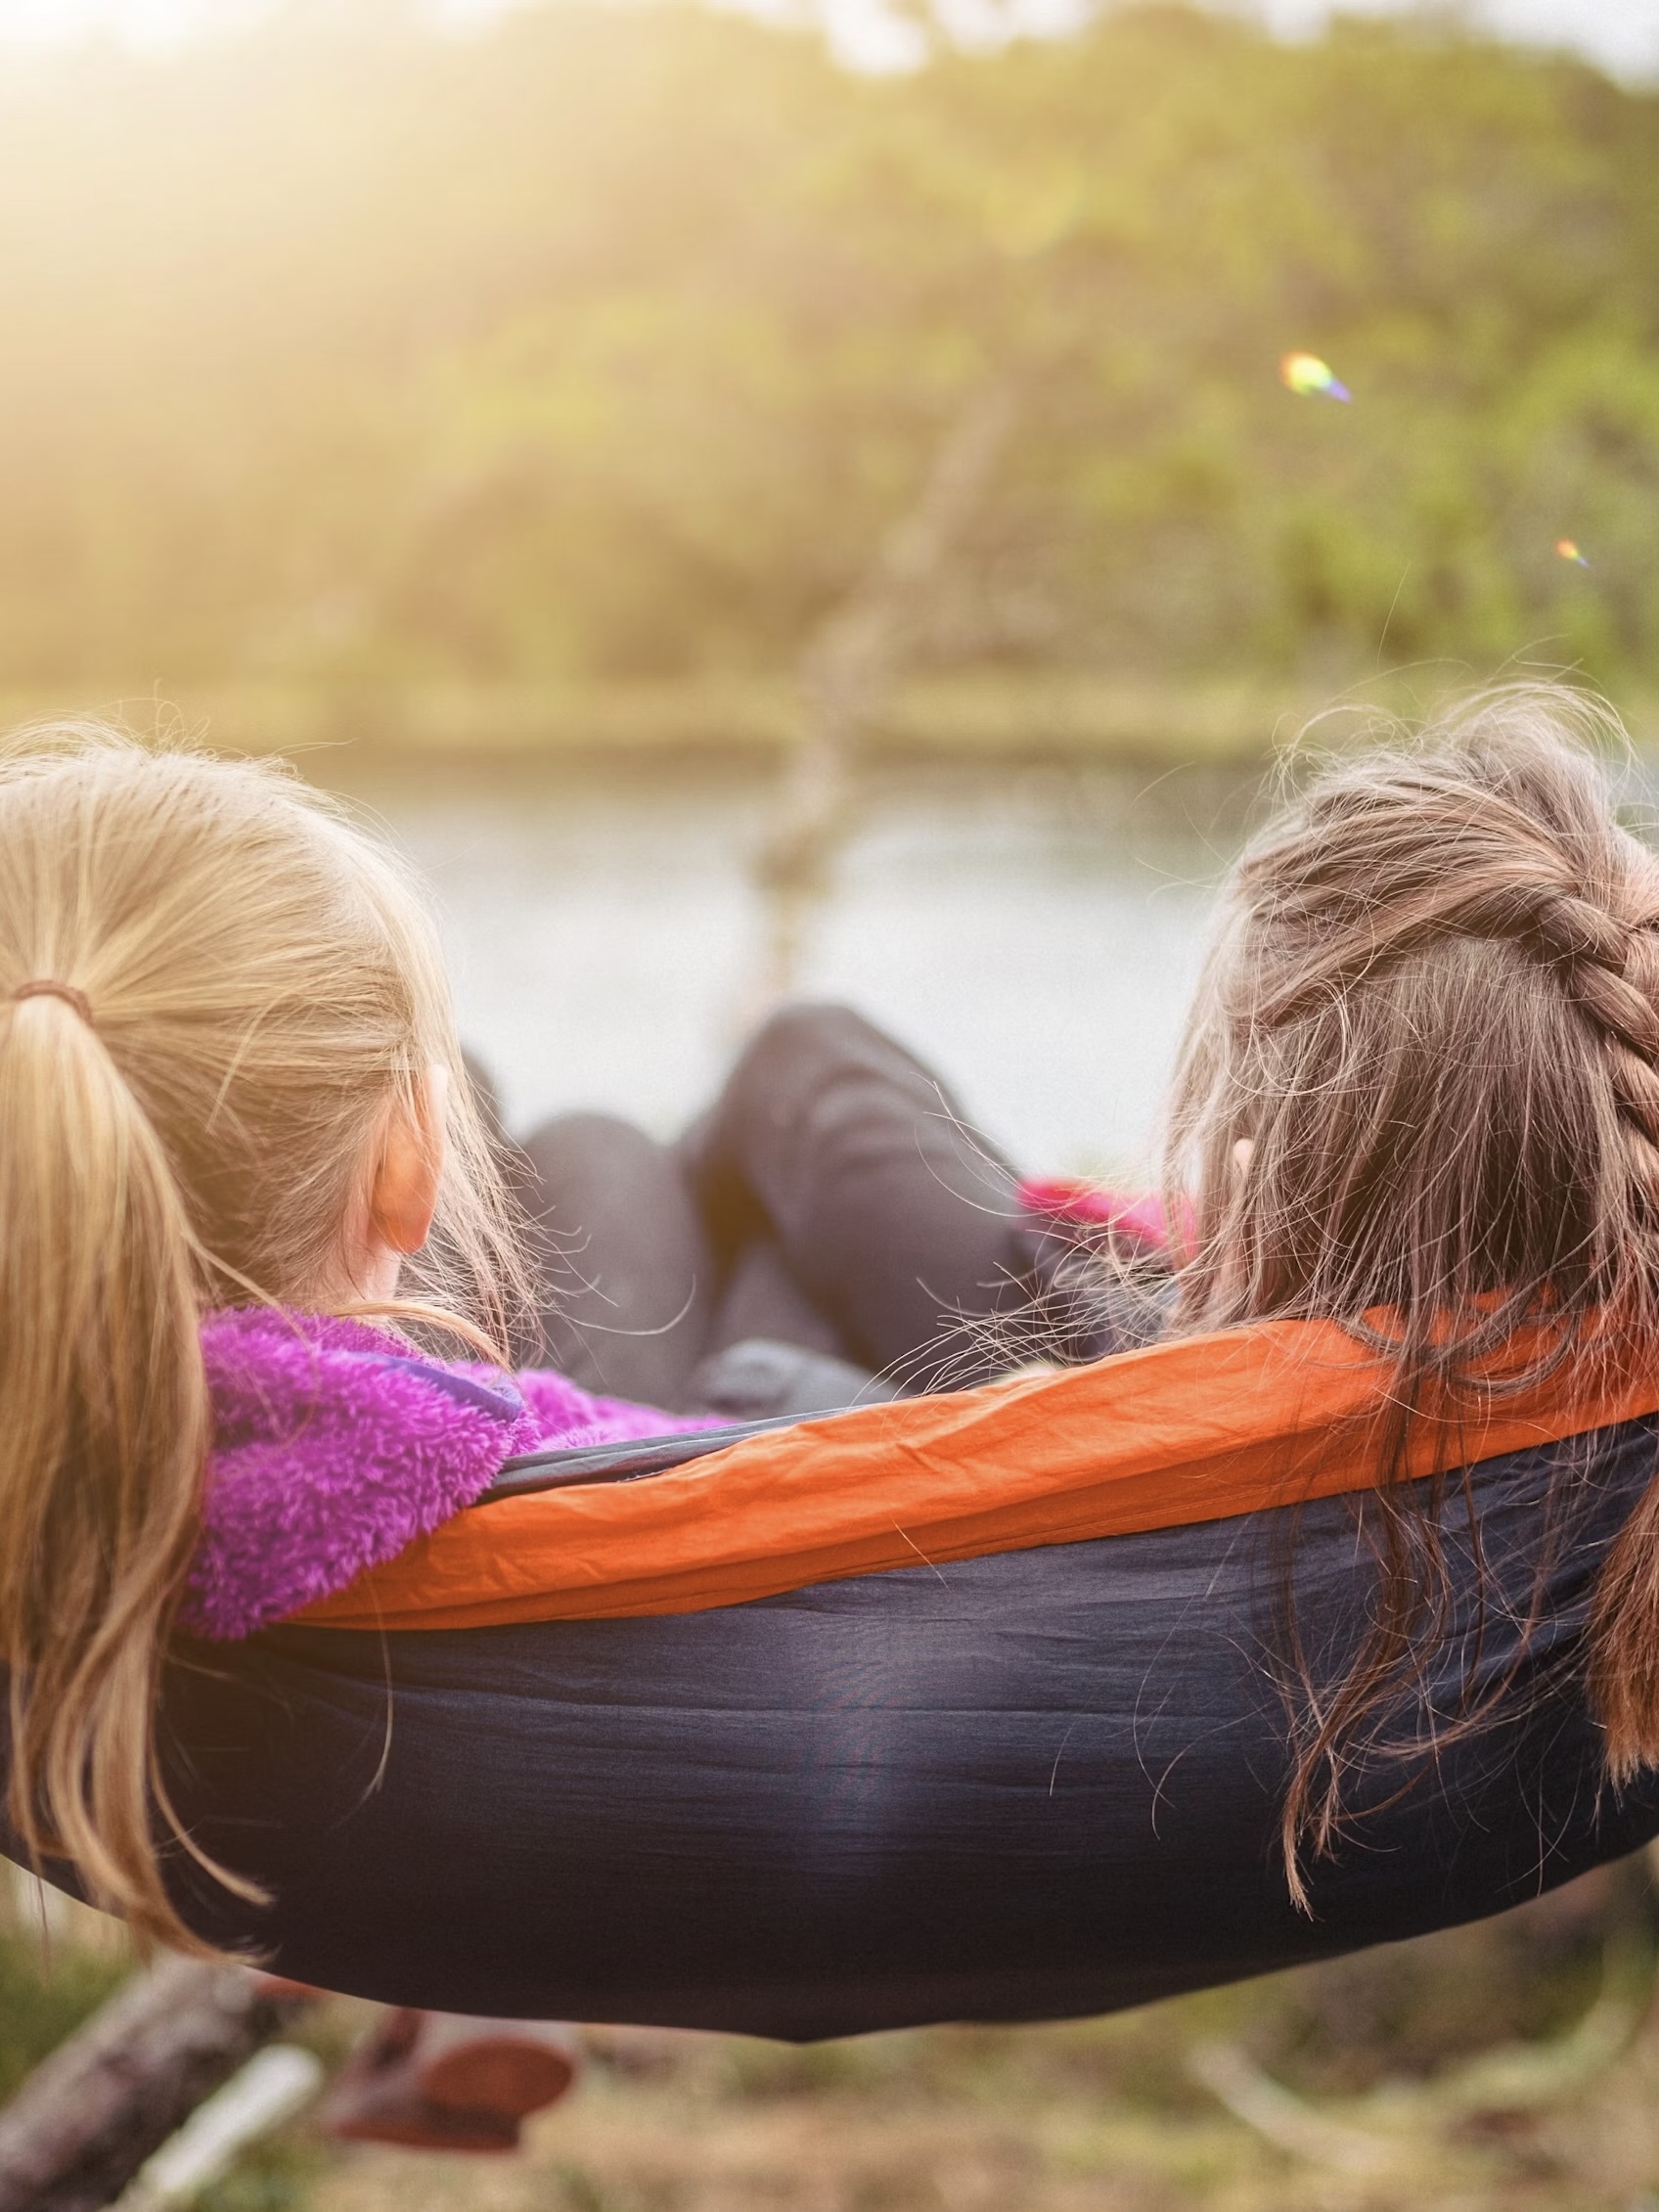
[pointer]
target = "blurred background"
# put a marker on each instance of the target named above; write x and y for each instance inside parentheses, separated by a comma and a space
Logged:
(804, 497)
(673, 463)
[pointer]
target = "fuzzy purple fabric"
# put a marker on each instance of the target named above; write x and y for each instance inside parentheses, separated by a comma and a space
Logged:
(334, 1446)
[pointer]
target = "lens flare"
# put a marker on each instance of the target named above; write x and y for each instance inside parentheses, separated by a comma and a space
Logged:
(1304, 373)
(1569, 551)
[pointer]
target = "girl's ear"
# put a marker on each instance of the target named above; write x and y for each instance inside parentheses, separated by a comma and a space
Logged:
(405, 1193)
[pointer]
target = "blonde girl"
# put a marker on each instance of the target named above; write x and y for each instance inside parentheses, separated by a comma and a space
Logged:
(225, 1043)
(231, 1104)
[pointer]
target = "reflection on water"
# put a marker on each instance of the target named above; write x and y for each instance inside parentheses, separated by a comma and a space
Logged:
(1035, 933)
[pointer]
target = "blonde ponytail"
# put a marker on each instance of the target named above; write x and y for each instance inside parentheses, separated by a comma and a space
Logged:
(211, 987)
(102, 1433)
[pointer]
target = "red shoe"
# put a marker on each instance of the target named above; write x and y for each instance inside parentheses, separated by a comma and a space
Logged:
(509, 2067)
(442, 2081)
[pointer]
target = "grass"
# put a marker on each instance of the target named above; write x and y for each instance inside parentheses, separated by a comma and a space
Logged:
(56, 1963)
(1107, 2114)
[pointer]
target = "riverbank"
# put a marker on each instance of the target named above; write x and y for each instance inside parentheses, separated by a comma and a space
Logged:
(972, 714)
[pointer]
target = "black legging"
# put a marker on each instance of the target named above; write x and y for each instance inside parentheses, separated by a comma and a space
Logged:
(833, 1199)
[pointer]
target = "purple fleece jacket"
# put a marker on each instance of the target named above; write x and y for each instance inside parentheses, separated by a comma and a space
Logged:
(334, 1446)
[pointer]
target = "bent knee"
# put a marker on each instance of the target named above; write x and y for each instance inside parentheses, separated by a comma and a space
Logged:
(810, 1035)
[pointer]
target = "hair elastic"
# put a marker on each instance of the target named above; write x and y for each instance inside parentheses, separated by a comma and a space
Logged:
(46, 988)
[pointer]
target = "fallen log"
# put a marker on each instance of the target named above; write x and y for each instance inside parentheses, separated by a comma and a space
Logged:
(90, 2115)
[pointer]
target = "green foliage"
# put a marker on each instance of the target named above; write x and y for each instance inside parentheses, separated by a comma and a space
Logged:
(273, 2175)
(610, 342)
(44, 1995)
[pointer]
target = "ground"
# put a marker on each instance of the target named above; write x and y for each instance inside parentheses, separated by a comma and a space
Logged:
(1513, 2065)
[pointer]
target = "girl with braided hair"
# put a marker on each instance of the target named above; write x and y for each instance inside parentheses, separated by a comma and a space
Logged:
(1418, 1097)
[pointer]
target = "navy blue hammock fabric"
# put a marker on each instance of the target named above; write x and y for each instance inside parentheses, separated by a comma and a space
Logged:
(1044, 1783)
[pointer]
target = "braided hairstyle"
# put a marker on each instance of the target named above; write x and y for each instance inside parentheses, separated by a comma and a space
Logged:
(1432, 1017)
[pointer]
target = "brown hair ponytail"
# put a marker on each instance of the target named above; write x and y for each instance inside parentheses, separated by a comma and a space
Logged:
(212, 989)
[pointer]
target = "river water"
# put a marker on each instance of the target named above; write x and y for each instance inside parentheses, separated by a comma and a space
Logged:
(1034, 932)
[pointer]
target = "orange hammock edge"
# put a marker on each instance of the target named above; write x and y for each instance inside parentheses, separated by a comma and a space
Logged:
(1202, 1428)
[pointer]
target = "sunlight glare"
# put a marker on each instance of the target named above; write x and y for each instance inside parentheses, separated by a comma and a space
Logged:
(1620, 35)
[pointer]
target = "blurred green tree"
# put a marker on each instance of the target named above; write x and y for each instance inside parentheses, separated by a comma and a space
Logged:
(611, 341)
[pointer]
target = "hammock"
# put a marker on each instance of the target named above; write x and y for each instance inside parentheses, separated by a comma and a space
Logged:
(955, 1708)
(1200, 1428)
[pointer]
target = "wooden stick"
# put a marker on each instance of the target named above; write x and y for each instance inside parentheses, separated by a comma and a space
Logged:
(90, 2115)
(849, 668)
